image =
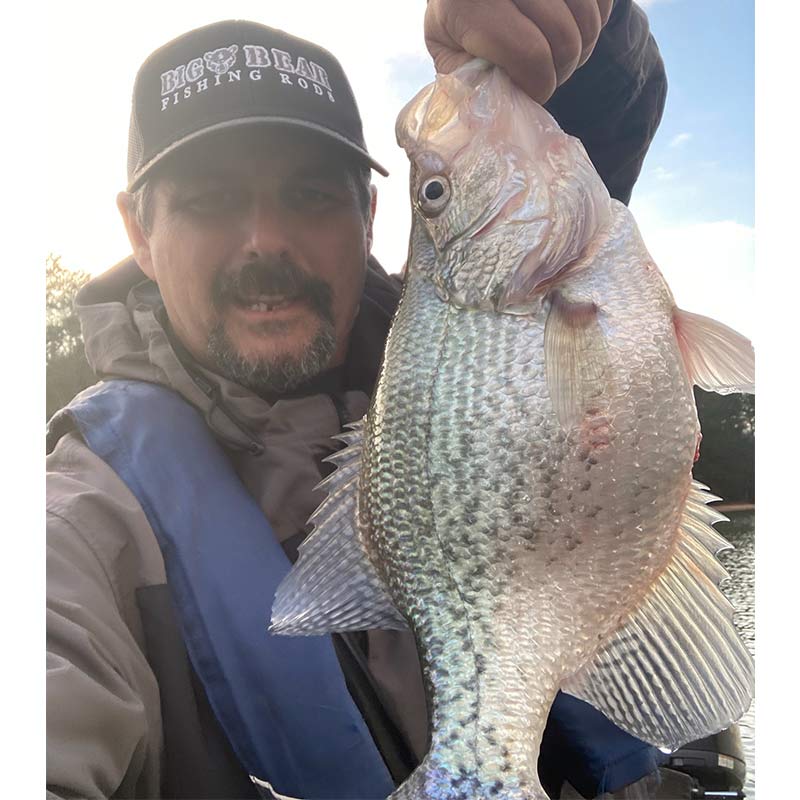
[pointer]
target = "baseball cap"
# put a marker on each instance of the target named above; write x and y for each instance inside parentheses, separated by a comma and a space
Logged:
(235, 73)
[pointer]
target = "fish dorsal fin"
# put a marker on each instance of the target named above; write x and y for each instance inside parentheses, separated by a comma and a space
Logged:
(333, 586)
(717, 358)
(575, 357)
(676, 669)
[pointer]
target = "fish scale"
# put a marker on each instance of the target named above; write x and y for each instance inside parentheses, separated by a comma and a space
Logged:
(480, 532)
(398, 454)
(524, 498)
(485, 536)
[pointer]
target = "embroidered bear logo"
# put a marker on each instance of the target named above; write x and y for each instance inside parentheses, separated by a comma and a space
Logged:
(221, 60)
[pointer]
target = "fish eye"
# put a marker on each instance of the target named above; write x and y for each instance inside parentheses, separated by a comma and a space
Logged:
(434, 194)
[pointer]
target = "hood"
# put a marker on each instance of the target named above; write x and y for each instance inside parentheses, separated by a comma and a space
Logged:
(126, 335)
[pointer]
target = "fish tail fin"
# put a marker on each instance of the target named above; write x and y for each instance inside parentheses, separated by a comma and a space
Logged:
(429, 780)
(675, 670)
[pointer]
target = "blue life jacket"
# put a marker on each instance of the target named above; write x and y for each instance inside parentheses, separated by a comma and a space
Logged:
(582, 746)
(282, 701)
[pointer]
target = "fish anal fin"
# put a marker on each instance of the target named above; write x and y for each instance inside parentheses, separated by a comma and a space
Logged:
(333, 586)
(717, 358)
(675, 670)
(575, 357)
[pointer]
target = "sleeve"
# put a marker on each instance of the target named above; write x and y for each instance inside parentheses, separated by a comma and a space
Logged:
(614, 102)
(103, 728)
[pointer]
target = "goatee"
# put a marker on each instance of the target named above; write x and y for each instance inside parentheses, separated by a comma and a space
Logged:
(283, 373)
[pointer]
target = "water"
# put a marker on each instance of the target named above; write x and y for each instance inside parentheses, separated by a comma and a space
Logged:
(740, 590)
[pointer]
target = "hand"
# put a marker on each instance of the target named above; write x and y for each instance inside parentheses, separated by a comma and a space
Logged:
(539, 43)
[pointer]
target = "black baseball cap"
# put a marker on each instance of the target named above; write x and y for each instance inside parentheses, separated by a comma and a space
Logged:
(237, 73)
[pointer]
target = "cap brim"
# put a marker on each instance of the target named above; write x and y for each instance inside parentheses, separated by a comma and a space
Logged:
(146, 168)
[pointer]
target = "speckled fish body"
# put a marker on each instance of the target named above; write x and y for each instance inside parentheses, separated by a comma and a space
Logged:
(533, 540)
(522, 480)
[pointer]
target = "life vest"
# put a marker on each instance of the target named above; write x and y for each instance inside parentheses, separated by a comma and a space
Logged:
(582, 746)
(282, 701)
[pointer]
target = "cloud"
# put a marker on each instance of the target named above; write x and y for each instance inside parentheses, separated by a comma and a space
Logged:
(680, 139)
(662, 174)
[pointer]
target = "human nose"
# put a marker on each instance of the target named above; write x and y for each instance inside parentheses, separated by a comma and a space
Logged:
(265, 230)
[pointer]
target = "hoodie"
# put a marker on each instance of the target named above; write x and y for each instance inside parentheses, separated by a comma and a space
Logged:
(113, 643)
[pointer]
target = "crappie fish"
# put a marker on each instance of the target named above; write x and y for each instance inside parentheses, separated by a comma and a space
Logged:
(520, 492)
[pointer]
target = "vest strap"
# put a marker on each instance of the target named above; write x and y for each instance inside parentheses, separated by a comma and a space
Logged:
(282, 701)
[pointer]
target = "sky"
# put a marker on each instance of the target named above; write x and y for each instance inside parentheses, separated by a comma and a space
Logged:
(694, 199)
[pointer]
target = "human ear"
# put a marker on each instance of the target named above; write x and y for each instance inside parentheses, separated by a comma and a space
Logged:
(136, 235)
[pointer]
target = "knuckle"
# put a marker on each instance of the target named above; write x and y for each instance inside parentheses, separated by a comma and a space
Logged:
(551, 85)
(588, 16)
(462, 18)
(542, 81)
(566, 46)
(605, 7)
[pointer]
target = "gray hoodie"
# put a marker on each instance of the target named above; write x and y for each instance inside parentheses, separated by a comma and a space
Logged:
(104, 712)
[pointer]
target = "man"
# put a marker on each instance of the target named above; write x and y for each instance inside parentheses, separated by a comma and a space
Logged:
(243, 334)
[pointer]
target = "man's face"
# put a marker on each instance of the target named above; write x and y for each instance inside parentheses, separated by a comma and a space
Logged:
(258, 242)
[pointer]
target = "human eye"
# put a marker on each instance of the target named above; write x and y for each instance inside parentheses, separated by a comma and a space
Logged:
(317, 195)
(213, 200)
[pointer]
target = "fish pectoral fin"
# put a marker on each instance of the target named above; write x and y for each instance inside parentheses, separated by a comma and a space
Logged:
(575, 357)
(675, 670)
(717, 358)
(333, 586)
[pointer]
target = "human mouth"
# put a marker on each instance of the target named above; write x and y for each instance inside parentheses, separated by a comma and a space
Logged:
(271, 290)
(269, 303)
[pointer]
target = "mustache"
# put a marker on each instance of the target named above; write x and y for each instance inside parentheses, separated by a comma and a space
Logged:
(272, 276)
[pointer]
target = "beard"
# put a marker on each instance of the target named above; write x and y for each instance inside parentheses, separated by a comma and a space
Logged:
(282, 373)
